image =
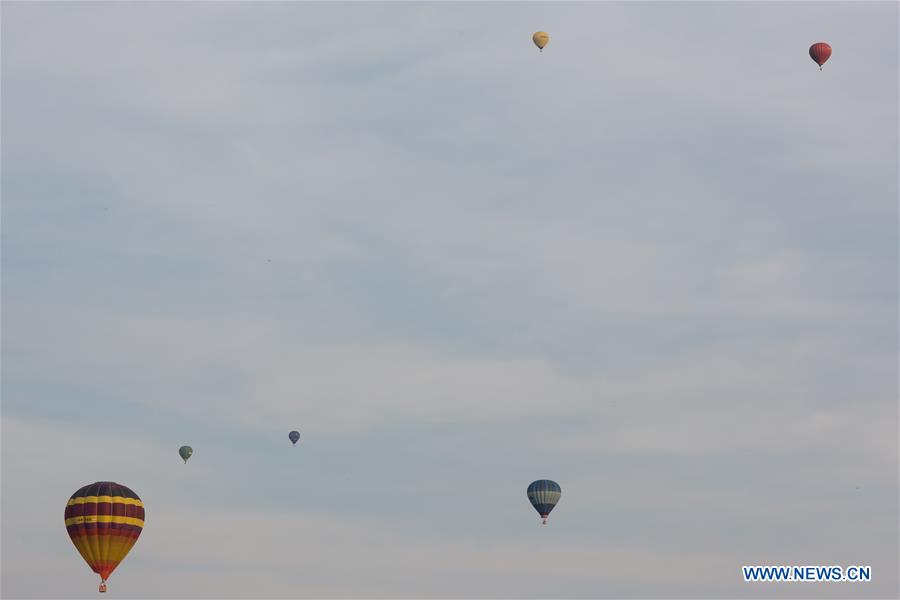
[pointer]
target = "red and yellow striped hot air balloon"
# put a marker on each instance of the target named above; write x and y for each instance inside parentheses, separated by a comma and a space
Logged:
(104, 520)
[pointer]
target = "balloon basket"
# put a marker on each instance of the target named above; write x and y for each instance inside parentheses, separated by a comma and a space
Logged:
(102, 587)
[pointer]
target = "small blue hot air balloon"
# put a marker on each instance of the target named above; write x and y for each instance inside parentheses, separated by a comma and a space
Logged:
(294, 437)
(543, 495)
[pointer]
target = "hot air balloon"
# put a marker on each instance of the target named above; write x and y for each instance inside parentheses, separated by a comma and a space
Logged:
(294, 436)
(185, 452)
(104, 520)
(541, 39)
(820, 52)
(543, 495)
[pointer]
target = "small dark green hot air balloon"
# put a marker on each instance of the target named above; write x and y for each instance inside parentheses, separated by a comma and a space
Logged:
(294, 436)
(185, 452)
(543, 495)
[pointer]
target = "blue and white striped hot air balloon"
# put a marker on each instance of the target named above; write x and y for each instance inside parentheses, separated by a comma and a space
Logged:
(543, 495)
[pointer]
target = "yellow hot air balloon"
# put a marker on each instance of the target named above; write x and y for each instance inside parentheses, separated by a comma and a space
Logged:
(541, 38)
(104, 520)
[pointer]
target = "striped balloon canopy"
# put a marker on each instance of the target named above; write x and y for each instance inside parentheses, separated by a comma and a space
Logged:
(543, 495)
(104, 520)
(820, 52)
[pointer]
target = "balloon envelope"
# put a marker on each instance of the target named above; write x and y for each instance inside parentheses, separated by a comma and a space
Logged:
(543, 495)
(294, 436)
(541, 39)
(820, 52)
(185, 452)
(104, 520)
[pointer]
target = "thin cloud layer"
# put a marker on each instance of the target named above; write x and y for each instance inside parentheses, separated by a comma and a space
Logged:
(656, 262)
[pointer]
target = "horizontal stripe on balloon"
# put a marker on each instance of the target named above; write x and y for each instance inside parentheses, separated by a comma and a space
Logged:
(104, 519)
(95, 499)
(101, 529)
(104, 508)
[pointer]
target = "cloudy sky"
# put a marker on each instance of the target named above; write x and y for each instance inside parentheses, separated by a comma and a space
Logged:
(657, 263)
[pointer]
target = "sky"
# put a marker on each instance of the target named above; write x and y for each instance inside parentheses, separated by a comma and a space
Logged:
(656, 263)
